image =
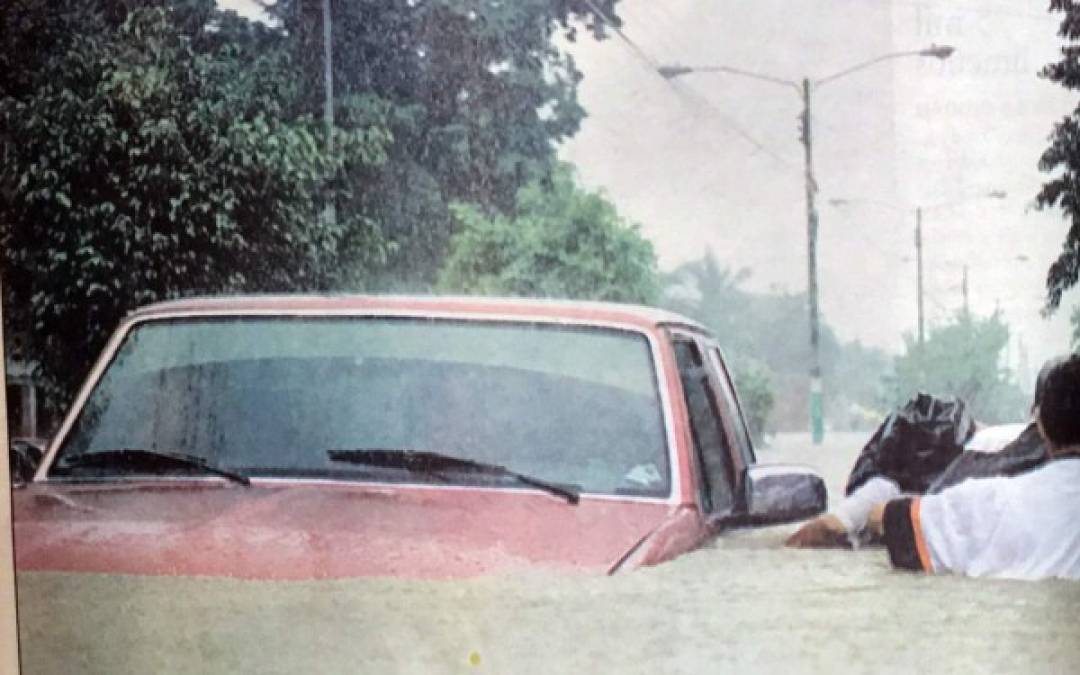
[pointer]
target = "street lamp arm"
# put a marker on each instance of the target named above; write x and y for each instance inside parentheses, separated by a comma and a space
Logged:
(940, 52)
(671, 72)
(844, 201)
(851, 201)
(992, 194)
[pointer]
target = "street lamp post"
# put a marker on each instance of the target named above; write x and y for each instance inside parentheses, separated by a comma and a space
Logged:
(817, 395)
(330, 212)
(919, 275)
(805, 90)
(919, 210)
(993, 194)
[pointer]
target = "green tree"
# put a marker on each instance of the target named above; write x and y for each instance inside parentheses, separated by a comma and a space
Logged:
(766, 339)
(144, 158)
(962, 358)
(478, 97)
(757, 395)
(560, 241)
(1062, 157)
(710, 293)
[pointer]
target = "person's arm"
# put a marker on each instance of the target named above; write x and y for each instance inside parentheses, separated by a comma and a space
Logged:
(898, 524)
(848, 520)
(854, 509)
(943, 532)
(825, 531)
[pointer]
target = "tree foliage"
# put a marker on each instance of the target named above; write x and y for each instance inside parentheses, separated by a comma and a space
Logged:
(757, 394)
(560, 241)
(1062, 157)
(146, 157)
(962, 358)
(477, 96)
(157, 148)
(766, 339)
(710, 293)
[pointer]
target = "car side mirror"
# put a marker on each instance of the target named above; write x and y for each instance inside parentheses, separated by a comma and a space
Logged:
(782, 493)
(24, 456)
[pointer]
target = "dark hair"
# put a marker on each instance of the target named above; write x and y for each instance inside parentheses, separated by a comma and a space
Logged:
(1040, 379)
(1059, 404)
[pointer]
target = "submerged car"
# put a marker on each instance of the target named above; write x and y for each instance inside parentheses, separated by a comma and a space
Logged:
(296, 437)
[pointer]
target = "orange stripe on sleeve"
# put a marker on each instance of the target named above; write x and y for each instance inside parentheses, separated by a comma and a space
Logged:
(920, 540)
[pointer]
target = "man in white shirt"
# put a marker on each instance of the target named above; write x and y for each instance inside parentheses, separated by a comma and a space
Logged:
(1022, 449)
(1002, 450)
(1021, 527)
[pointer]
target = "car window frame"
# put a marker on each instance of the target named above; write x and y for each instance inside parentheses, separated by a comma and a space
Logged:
(712, 514)
(654, 338)
(739, 429)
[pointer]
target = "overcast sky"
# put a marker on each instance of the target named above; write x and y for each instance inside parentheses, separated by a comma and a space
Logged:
(714, 160)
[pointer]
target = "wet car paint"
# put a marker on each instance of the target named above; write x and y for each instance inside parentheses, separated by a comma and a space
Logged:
(330, 531)
(301, 529)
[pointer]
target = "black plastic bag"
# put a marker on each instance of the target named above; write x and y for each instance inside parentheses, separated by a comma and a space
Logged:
(915, 444)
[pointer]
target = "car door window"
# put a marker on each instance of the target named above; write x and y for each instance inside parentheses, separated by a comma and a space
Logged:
(711, 445)
(729, 400)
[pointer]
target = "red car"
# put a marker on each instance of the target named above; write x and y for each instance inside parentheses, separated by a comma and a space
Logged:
(286, 437)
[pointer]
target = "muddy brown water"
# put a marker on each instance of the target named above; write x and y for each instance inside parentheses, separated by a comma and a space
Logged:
(741, 604)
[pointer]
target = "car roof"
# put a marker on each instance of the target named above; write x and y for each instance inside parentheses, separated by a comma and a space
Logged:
(639, 316)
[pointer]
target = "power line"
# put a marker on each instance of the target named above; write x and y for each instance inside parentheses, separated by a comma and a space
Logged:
(661, 26)
(641, 54)
(691, 96)
(688, 95)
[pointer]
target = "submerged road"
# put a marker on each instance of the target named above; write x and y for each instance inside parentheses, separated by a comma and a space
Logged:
(743, 604)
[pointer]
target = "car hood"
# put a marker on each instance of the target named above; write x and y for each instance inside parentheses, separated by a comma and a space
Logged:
(305, 531)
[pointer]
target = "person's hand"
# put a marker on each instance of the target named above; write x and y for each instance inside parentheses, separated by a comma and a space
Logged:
(875, 522)
(825, 531)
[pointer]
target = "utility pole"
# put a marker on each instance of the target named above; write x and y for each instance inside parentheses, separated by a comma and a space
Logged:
(817, 424)
(328, 103)
(668, 72)
(919, 271)
(992, 194)
(964, 290)
(328, 75)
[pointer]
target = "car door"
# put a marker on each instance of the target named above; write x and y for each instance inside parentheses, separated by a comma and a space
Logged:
(713, 444)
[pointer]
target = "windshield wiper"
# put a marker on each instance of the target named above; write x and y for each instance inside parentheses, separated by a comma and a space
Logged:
(421, 461)
(151, 459)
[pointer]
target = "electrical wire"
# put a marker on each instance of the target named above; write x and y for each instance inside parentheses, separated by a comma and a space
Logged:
(688, 95)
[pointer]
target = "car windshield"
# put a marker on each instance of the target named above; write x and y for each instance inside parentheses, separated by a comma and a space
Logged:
(269, 397)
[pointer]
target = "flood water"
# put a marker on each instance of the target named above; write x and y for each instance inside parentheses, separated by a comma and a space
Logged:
(743, 604)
